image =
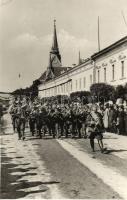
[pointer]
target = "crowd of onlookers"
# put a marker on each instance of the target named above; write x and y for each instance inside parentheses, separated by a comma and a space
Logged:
(114, 118)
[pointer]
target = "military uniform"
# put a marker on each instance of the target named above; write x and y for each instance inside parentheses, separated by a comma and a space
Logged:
(20, 122)
(95, 129)
(32, 121)
(13, 117)
(67, 121)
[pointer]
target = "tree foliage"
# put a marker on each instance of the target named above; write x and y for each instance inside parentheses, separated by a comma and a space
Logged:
(31, 91)
(102, 91)
(80, 96)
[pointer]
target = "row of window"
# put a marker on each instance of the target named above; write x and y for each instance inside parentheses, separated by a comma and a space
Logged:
(64, 88)
(113, 72)
(81, 82)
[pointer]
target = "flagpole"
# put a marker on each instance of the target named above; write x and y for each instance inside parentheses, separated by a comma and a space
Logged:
(98, 34)
(124, 18)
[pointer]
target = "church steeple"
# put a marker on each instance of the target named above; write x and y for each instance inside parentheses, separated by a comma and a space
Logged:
(54, 57)
(55, 48)
(55, 43)
(50, 71)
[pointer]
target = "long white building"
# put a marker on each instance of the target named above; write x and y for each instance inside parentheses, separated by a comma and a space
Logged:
(106, 66)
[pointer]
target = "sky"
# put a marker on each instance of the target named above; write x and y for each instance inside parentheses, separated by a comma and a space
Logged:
(26, 33)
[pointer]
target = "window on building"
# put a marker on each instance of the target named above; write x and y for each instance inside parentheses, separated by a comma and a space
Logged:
(91, 79)
(64, 88)
(98, 75)
(84, 81)
(80, 83)
(71, 85)
(104, 74)
(113, 72)
(61, 88)
(122, 69)
(76, 84)
(67, 87)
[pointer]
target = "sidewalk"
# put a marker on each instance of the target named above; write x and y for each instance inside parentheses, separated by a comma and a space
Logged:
(116, 142)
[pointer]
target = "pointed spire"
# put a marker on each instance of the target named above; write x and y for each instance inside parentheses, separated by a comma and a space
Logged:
(55, 43)
(55, 48)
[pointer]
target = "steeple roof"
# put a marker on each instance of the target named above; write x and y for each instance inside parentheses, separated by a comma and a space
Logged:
(55, 47)
(49, 72)
(55, 67)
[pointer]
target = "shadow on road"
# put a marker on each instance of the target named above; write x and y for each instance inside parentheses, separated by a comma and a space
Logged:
(114, 150)
(12, 187)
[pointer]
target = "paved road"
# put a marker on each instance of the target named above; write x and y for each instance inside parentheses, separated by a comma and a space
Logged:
(65, 168)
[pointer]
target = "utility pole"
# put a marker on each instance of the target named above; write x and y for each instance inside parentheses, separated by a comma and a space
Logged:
(124, 18)
(98, 34)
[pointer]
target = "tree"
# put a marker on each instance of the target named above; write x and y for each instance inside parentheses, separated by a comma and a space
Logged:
(102, 92)
(31, 91)
(120, 91)
(81, 96)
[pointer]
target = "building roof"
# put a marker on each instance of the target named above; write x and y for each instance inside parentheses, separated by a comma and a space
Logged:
(4, 97)
(109, 48)
(57, 71)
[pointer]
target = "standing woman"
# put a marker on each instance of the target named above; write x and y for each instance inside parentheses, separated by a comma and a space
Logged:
(106, 117)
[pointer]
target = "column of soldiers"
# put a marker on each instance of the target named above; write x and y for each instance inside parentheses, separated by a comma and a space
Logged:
(58, 120)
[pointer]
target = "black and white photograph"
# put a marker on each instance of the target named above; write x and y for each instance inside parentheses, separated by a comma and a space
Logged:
(63, 99)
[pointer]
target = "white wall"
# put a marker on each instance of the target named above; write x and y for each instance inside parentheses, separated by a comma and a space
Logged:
(115, 57)
(63, 86)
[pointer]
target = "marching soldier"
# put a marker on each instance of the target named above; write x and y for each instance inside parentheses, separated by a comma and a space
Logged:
(67, 121)
(95, 128)
(52, 120)
(32, 120)
(59, 123)
(20, 121)
(13, 112)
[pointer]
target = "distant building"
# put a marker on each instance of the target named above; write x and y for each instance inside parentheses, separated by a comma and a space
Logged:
(110, 64)
(106, 66)
(4, 99)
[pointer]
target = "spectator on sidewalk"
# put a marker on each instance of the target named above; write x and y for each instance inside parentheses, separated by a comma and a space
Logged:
(120, 121)
(106, 117)
(112, 119)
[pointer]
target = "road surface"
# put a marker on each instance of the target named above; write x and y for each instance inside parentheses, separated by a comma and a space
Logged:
(60, 169)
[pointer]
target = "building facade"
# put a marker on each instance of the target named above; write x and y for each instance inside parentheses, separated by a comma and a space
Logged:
(110, 64)
(106, 66)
